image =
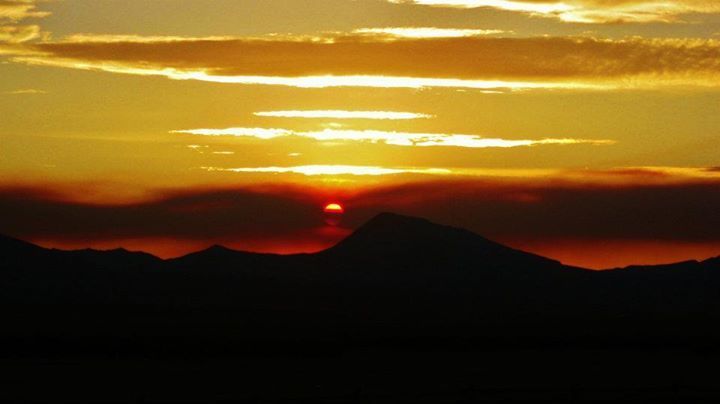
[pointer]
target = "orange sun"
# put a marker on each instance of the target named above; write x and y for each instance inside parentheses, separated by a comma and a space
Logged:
(333, 213)
(333, 208)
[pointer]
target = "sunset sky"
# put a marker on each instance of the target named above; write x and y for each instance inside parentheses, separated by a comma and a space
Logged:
(584, 130)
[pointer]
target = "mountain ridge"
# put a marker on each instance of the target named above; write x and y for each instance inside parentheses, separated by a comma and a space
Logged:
(386, 229)
(396, 277)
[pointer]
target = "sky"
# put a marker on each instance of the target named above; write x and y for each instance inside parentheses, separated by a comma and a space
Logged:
(584, 130)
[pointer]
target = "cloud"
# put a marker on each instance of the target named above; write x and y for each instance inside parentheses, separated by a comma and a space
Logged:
(19, 33)
(392, 138)
(340, 114)
(26, 91)
(588, 11)
(260, 133)
(12, 34)
(544, 209)
(195, 214)
(361, 60)
(426, 32)
(16, 10)
(311, 170)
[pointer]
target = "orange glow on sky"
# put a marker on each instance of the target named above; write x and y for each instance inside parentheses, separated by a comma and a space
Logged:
(186, 124)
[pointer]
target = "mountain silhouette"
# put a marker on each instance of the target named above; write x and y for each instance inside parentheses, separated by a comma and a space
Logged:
(394, 276)
(415, 243)
(402, 310)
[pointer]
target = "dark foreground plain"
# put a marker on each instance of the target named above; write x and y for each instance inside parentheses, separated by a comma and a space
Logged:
(403, 310)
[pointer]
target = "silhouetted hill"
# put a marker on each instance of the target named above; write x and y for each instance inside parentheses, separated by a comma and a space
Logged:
(395, 276)
(12, 249)
(394, 242)
(403, 310)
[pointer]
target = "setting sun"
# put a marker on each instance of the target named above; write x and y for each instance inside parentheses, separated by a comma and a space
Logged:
(334, 208)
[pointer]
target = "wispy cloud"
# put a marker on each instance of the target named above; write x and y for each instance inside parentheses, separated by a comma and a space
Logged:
(26, 91)
(311, 170)
(12, 32)
(342, 114)
(260, 133)
(485, 63)
(393, 138)
(16, 10)
(19, 33)
(588, 11)
(427, 32)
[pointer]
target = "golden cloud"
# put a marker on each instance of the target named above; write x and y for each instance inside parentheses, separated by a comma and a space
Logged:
(362, 60)
(19, 33)
(333, 169)
(588, 11)
(426, 32)
(341, 114)
(392, 138)
(23, 91)
(16, 10)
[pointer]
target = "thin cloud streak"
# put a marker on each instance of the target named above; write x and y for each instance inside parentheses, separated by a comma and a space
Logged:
(427, 32)
(260, 133)
(393, 138)
(342, 114)
(325, 81)
(588, 11)
(15, 34)
(17, 10)
(367, 60)
(12, 33)
(318, 169)
(26, 91)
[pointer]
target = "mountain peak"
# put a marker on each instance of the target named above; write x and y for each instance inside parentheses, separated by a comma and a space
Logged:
(219, 248)
(393, 227)
(215, 254)
(412, 241)
(388, 222)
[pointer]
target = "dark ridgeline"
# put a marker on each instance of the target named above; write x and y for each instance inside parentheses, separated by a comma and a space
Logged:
(396, 276)
(396, 283)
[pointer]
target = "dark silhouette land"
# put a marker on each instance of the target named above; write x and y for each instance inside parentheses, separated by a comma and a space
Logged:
(403, 310)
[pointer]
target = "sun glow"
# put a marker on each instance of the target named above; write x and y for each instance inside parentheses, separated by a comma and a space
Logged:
(333, 208)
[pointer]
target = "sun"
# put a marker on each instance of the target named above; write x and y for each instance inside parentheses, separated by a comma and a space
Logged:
(333, 213)
(333, 207)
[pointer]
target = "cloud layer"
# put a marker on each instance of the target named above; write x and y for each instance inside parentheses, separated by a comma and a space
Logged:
(365, 60)
(342, 114)
(547, 209)
(392, 138)
(16, 10)
(12, 12)
(319, 169)
(588, 11)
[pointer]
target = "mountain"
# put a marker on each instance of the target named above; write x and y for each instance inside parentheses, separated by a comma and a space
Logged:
(395, 242)
(395, 276)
